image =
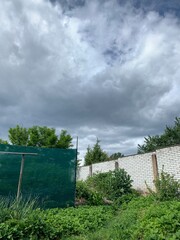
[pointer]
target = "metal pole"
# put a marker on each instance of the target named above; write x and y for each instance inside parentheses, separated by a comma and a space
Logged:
(77, 151)
(18, 153)
(75, 171)
(77, 143)
(20, 177)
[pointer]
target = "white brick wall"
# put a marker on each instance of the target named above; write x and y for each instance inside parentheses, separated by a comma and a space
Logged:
(139, 167)
(83, 173)
(170, 159)
(103, 167)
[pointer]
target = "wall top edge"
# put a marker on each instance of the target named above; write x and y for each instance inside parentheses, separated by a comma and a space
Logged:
(131, 155)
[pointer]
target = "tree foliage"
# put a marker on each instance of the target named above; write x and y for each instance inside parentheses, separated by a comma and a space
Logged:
(95, 154)
(38, 136)
(18, 136)
(115, 156)
(3, 141)
(42, 137)
(170, 137)
(65, 140)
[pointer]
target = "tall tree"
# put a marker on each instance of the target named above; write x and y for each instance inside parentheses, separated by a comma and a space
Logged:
(170, 137)
(95, 154)
(89, 156)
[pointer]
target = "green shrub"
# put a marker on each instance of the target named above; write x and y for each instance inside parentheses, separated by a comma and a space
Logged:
(112, 184)
(126, 198)
(167, 188)
(55, 223)
(91, 196)
(159, 221)
(33, 227)
(82, 190)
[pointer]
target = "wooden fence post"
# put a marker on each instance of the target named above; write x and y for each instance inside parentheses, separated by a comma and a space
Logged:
(20, 177)
(155, 167)
(90, 170)
(116, 165)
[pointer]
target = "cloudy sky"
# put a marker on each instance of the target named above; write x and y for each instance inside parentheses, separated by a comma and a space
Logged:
(108, 69)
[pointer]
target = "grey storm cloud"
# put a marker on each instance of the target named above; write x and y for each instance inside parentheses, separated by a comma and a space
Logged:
(105, 69)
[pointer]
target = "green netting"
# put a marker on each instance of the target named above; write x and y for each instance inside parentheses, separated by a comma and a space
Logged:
(49, 176)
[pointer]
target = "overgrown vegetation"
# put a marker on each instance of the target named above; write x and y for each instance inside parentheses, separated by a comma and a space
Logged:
(16, 209)
(170, 137)
(155, 217)
(86, 195)
(142, 218)
(112, 184)
(130, 216)
(52, 223)
(113, 187)
(167, 188)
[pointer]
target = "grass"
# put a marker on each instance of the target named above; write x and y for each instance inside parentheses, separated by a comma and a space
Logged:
(19, 220)
(11, 208)
(143, 219)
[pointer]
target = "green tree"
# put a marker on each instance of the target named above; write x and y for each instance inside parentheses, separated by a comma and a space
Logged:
(115, 156)
(89, 156)
(42, 137)
(38, 136)
(3, 141)
(65, 140)
(18, 136)
(172, 134)
(170, 137)
(95, 154)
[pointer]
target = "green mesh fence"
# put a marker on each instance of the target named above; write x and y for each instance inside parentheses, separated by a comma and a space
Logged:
(49, 176)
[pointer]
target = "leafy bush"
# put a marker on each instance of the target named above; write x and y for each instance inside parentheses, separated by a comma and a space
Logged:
(112, 184)
(82, 190)
(159, 221)
(167, 188)
(90, 196)
(55, 223)
(126, 198)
